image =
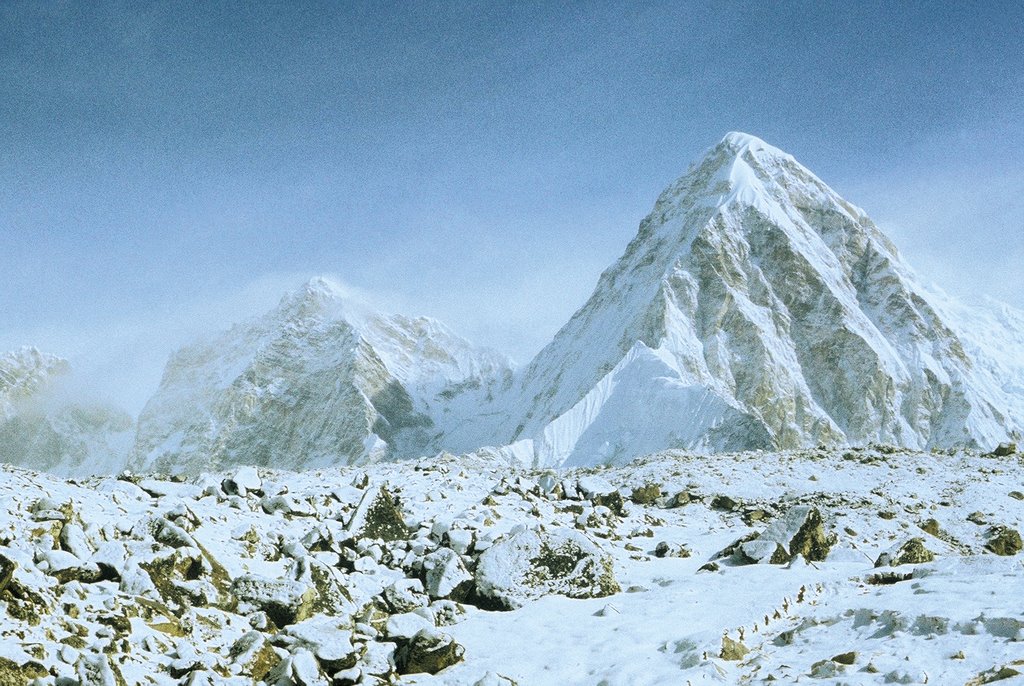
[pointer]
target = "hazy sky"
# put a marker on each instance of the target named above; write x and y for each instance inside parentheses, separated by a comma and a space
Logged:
(167, 168)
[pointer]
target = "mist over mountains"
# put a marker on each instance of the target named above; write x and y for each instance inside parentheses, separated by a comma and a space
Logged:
(754, 309)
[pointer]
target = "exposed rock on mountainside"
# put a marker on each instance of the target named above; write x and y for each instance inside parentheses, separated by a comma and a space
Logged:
(758, 309)
(317, 381)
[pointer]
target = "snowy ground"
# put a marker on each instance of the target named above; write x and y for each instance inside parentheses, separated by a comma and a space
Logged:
(280, 577)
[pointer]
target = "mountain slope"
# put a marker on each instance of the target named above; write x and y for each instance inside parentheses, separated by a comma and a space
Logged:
(317, 381)
(756, 308)
(42, 428)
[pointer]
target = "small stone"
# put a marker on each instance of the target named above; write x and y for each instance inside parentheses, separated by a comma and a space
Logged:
(732, 650)
(1016, 495)
(930, 526)
(845, 658)
(977, 518)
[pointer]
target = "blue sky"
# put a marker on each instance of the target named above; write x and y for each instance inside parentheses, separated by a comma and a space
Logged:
(166, 168)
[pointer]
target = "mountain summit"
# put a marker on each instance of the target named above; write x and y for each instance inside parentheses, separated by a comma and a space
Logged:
(319, 380)
(757, 309)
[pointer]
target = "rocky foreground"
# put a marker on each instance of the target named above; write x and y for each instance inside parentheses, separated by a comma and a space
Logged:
(858, 566)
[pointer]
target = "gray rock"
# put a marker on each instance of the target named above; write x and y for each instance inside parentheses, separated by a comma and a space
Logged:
(446, 575)
(530, 564)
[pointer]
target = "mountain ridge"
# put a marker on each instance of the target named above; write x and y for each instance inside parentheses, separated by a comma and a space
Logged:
(755, 308)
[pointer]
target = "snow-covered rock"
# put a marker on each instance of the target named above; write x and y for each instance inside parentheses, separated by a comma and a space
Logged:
(529, 564)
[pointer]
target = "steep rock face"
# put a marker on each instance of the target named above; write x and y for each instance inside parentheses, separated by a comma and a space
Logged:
(754, 309)
(317, 381)
(42, 428)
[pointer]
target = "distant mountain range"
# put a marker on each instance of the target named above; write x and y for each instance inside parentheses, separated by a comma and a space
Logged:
(754, 309)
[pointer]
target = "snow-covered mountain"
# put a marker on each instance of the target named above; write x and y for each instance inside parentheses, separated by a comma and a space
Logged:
(754, 309)
(42, 427)
(320, 380)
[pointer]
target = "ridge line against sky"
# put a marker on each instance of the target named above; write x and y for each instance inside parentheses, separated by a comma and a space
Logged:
(172, 168)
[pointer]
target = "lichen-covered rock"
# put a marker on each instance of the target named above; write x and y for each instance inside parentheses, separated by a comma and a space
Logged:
(13, 673)
(912, 552)
(646, 494)
(429, 652)
(530, 564)
(1003, 540)
(732, 650)
(800, 531)
(378, 517)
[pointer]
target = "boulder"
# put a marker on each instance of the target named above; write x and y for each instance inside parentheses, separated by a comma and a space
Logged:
(800, 532)
(446, 575)
(428, 652)
(529, 564)
(285, 601)
(378, 517)
(912, 552)
(1002, 540)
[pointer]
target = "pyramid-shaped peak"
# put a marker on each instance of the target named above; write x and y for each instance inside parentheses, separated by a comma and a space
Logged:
(319, 295)
(741, 142)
